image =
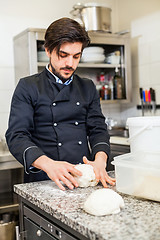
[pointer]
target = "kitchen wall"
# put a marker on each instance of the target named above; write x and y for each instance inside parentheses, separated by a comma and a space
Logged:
(16, 16)
(141, 17)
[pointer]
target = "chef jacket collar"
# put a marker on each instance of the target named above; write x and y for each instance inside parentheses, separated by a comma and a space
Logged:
(59, 80)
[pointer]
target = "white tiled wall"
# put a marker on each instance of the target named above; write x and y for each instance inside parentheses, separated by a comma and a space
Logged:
(144, 27)
(6, 91)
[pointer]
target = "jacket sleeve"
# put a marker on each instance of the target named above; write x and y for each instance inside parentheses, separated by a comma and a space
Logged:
(21, 124)
(96, 126)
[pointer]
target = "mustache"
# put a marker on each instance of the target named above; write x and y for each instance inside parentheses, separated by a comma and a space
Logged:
(67, 68)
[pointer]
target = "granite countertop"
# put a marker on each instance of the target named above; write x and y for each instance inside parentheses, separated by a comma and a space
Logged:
(140, 219)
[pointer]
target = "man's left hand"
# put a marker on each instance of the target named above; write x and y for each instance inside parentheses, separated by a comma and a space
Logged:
(99, 166)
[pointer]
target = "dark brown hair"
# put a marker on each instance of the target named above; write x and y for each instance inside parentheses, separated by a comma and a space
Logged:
(65, 30)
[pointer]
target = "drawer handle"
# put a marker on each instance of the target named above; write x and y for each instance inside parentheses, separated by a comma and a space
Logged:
(39, 233)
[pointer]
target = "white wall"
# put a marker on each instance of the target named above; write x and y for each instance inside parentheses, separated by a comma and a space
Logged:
(142, 18)
(16, 16)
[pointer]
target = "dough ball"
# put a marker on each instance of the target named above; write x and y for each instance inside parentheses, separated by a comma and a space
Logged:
(88, 177)
(103, 202)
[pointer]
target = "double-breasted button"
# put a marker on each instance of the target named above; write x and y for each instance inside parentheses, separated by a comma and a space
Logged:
(78, 103)
(54, 104)
(76, 123)
(55, 124)
(59, 144)
(80, 142)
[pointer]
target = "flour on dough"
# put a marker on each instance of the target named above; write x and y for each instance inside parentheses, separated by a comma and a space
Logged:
(103, 202)
(88, 176)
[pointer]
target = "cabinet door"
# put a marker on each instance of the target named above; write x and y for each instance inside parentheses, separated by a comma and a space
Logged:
(33, 232)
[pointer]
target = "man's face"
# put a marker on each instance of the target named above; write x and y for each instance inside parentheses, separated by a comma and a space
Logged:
(66, 63)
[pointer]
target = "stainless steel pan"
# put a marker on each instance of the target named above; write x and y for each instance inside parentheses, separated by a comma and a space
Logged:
(93, 17)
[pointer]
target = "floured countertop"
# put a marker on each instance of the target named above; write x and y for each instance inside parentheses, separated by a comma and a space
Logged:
(139, 220)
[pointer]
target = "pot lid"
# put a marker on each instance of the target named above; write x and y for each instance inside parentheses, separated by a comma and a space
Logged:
(91, 4)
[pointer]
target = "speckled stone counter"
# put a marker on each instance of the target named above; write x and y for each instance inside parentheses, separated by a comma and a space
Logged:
(140, 219)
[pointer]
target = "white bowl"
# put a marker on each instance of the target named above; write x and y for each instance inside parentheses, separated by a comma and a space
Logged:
(42, 57)
(97, 50)
(93, 58)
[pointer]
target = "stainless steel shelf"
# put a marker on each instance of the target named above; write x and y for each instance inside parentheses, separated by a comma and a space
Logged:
(115, 101)
(25, 44)
(98, 65)
(87, 65)
(42, 64)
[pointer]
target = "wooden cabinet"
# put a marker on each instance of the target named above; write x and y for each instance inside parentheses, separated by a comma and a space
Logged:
(27, 44)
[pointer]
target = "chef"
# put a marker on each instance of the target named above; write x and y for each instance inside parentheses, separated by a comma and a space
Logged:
(55, 119)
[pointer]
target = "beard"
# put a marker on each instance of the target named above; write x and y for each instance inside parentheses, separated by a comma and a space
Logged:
(63, 79)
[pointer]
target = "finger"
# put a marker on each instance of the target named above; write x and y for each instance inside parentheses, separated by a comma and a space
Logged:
(109, 180)
(97, 175)
(66, 182)
(57, 182)
(71, 168)
(71, 179)
(104, 183)
(85, 160)
(75, 172)
(113, 180)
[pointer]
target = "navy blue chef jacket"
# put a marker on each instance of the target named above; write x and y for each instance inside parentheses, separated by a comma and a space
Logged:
(64, 122)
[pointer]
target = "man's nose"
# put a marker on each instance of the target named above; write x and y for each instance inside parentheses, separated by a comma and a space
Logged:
(69, 61)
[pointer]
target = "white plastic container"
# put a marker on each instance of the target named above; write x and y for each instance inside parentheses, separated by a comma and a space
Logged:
(137, 178)
(144, 134)
(147, 158)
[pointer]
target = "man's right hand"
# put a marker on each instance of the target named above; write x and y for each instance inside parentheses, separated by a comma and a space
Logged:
(58, 171)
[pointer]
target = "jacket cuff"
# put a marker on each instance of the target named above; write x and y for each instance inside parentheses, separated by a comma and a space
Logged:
(101, 147)
(29, 156)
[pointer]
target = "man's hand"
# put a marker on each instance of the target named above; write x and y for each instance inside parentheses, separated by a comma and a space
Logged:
(99, 166)
(58, 171)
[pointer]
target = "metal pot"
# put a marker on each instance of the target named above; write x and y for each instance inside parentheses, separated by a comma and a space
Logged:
(92, 16)
(7, 230)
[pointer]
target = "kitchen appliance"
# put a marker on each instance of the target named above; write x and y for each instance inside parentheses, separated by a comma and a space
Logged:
(92, 16)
